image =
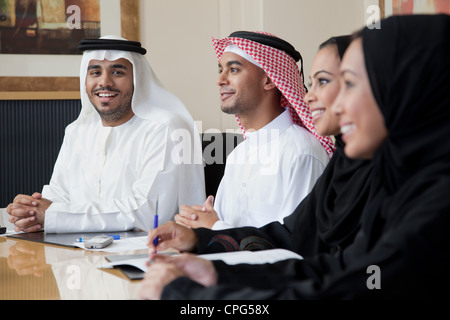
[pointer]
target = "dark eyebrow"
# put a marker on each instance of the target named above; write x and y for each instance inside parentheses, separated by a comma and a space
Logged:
(230, 63)
(94, 66)
(320, 71)
(114, 66)
(118, 66)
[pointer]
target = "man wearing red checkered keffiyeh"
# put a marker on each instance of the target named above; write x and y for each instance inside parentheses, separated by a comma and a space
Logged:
(282, 156)
(278, 59)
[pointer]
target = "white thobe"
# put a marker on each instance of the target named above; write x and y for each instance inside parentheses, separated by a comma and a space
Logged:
(108, 178)
(268, 174)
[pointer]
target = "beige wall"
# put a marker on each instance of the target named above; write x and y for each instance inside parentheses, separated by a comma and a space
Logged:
(177, 34)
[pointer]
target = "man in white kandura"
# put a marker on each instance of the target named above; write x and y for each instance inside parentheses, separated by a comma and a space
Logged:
(134, 144)
(282, 156)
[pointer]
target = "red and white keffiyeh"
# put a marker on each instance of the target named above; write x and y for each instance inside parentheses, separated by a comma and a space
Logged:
(284, 72)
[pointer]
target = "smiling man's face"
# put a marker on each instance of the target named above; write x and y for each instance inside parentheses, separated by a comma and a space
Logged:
(241, 84)
(109, 86)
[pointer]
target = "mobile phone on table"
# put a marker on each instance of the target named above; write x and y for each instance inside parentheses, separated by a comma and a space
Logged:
(98, 242)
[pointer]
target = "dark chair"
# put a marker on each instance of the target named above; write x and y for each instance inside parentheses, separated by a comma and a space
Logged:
(31, 134)
(216, 147)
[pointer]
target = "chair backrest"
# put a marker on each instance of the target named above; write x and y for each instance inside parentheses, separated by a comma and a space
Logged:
(216, 148)
(31, 134)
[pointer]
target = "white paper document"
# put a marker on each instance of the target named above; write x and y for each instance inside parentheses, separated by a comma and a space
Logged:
(253, 257)
(10, 232)
(236, 257)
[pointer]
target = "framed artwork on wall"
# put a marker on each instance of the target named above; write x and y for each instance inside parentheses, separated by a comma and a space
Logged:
(36, 62)
(396, 7)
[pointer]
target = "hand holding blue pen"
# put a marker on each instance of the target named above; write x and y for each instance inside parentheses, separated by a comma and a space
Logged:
(155, 223)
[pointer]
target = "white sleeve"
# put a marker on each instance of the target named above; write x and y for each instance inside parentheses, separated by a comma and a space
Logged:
(305, 170)
(220, 201)
(158, 176)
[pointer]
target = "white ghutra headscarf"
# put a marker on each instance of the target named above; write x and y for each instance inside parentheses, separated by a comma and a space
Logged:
(150, 99)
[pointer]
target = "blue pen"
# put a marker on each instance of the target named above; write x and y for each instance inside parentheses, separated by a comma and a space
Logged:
(155, 223)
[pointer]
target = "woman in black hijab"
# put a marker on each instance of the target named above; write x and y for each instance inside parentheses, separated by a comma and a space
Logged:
(403, 239)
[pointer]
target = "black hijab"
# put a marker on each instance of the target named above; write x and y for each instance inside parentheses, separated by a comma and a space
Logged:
(341, 43)
(329, 217)
(405, 227)
(408, 64)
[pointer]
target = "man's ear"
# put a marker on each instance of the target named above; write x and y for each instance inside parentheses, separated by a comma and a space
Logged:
(268, 83)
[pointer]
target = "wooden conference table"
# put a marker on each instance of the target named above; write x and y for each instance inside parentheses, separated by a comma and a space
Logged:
(32, 270)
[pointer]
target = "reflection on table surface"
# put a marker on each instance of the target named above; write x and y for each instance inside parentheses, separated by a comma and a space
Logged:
(31, 270)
